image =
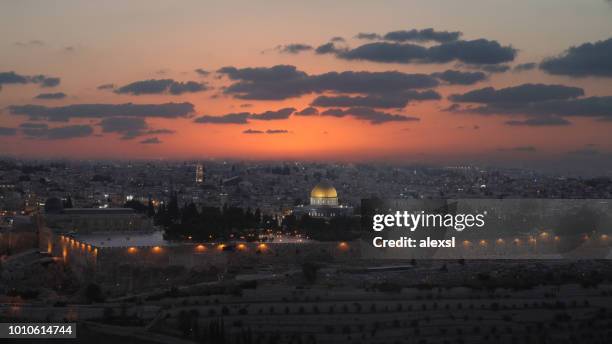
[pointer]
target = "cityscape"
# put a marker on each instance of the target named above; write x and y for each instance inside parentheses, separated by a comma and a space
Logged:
(306, 172)
(211, 251)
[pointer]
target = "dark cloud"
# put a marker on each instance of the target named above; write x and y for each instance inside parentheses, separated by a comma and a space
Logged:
(159, 132)
(522, 94)
(337, 39)
(368, 36)
(371, 82)
(232, 118)
(273, 115)
(106, 87)
(294, 48)
(523, 67)
(475, 52)
(309, 111)
(244, 117)
(47, 96)
(597, 107)
(47, 81)
(588, 59)
(261, 74)
(455, 77)
(4, 131)
(269, 131)
(362, 113)
(201, 72)
(387, 52)
(328, 48)
(129, 127)
(160, 86)
(540, 122)
(426, 35)
(65, 113)
(543, 104)
(453, 108)
(58, 133)
(495, 68)
(14, 78)
(187, 87)
(29, 125)
(151, 141)
(283, 81)
(594, 107)
(385, 100)
(368, 114)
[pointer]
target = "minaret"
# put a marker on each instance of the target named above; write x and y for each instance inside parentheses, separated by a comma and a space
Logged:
(199, 174)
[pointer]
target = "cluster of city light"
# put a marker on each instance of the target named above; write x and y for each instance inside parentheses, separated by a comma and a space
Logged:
(532, 240)
(342, 246)
(68, 242)
(201, 248)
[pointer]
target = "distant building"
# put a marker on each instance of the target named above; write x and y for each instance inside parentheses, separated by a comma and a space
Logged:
(88, 220)
(199, 174)
(323, 203)
(17, 234)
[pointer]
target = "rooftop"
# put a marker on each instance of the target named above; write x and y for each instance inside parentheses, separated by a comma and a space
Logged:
(98, 211)
(114, 239)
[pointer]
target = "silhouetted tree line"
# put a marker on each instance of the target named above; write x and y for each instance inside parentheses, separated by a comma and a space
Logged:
(333, 229)
(68, 203)
(202, 224)
(181, 222)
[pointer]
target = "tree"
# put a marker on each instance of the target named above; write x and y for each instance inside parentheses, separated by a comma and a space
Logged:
(136, 205)
(68, 203)
(150, 208)
(173, 208)
(310, 270)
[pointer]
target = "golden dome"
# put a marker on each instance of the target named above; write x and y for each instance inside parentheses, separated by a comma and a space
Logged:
(323, 190)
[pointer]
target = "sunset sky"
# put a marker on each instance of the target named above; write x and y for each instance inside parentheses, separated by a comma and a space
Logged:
(379, 80)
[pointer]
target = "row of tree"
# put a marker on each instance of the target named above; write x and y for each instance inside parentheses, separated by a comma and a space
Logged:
(215, 223)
